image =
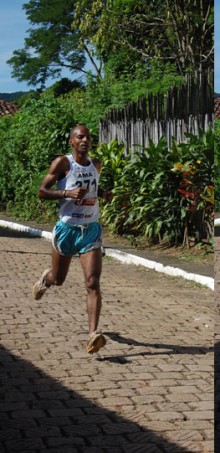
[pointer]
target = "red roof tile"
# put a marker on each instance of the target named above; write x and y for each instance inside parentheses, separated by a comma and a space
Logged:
(7, 108)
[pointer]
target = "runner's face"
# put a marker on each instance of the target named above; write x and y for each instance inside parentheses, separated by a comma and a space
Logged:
(81, 140)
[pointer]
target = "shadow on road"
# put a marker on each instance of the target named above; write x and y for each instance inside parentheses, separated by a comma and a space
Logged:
(169, 348)
(217, 396)
(38, 414)
(7, 233)
(217, 231)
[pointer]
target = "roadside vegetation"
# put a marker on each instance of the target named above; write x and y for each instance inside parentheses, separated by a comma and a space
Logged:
(161, 194)
(217, 165)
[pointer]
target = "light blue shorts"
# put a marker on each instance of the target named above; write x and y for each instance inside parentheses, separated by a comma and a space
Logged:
(70, 239)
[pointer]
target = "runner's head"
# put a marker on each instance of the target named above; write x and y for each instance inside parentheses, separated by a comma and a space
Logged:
(80, 139)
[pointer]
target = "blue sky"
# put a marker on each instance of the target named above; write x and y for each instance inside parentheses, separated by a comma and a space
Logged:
(217, 46)
(12, 34)
(13, 31)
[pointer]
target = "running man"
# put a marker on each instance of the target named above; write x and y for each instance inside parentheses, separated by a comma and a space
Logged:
(75, 177)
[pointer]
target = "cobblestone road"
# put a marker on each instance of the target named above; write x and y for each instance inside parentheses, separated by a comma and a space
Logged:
(149, 391)
(217, 341)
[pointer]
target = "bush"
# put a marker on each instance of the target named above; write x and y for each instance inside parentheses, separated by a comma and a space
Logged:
(217, 165)
(161, 193)
(29, 142)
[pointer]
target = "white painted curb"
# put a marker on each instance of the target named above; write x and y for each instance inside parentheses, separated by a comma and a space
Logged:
(158, 267)
(127, 258)
(26, 229)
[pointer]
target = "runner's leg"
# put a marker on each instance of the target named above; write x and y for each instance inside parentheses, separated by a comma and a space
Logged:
(60, 266)
(92, 267)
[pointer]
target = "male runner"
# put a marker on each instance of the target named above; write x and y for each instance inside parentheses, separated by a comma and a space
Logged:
(76, 178)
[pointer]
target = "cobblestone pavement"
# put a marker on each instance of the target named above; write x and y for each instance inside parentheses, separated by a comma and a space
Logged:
(149, 391)
(217, 341)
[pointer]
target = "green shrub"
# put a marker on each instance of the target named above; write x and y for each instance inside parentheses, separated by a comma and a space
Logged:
(217, 165)
(28, 143)
(149, 198)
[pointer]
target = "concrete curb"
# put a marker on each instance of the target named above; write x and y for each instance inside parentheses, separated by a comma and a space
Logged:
(26, 229)
(127, 258)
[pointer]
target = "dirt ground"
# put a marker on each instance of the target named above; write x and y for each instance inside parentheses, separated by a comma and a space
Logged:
(199, 253)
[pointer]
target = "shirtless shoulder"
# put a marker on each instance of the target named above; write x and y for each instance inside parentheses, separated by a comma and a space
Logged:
(60, 166)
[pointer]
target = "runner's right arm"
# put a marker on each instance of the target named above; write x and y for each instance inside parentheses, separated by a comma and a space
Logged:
(58, 170)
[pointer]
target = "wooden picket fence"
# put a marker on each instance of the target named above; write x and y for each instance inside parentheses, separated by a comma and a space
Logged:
(182, 109)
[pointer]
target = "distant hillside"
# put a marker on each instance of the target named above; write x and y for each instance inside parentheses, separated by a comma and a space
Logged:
(217, 95)
(10, 97)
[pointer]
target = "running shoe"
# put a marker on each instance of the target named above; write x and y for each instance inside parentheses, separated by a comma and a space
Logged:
(95, 341)
(40, 286)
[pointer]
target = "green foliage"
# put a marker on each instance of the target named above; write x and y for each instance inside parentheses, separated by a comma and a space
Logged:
(99, 96)
(196, 168)
(217, 164)
(114, 160)
(115, 36)
(51, 44)
(64, 86)
(157, 191)
(137, 31)
(148, 198)
(119, 90)
(28, 143)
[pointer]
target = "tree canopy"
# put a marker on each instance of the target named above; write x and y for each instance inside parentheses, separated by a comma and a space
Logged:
(166, 30)
(116, 35)
(52, 43)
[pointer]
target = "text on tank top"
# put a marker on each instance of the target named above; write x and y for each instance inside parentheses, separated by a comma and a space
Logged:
(86, 210)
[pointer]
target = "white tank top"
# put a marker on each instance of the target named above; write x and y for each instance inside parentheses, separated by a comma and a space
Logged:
(86, 210)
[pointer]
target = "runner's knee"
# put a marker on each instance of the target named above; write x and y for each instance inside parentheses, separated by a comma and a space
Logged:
(92, 283)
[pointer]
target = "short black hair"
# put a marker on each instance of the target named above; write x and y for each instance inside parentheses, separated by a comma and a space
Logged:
(73, 129)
